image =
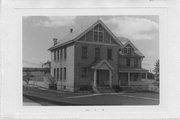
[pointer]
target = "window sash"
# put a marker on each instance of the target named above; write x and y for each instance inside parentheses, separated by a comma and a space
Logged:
(84, 52)
(84, 72)
(97, 53)
(128, 61)
(64, 73)
(109, 54)
(60, 73)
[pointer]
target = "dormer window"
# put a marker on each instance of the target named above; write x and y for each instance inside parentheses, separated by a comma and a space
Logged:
(128, 49)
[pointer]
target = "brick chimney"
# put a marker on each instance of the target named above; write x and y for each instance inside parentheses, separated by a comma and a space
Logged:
(55, 41)
(71, 30)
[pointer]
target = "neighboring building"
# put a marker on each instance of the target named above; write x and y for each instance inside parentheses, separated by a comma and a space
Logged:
(94, 57)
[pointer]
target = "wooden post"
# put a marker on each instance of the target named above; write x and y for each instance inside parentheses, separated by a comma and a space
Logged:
(95, 78)
(110, 78)
(128, 78)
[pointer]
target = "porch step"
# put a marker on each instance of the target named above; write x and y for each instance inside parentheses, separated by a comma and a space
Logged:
(104, 90)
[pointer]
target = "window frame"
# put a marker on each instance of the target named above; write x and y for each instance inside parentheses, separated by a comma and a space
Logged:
(54, 73)
(57, 73)
(54, 55)
(61, 73)
(65, 52)
(97, 54)
(84, 72)
(64, 76)
(84, 52)
(109, 56)
(135, 62)
(128, 64)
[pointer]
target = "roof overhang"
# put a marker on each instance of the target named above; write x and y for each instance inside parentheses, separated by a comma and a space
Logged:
(133, 70)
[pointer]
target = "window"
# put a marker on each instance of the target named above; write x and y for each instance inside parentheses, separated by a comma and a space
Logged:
(64, 73)
(54, 55)
(84, 52)
(95, 36)
(84, 72)
(57, 73)
(64, 87)
(97, 53)
(60, 73)
(109, 54)
(101, 36)
(98, 33)
(65, 53)
(58, 54)
(135, 62)
(61, 53)
(127, 49)
(128, 62)
(100, 28)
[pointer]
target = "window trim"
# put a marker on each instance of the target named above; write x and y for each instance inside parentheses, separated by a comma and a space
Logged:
(97, 54)
(136, 64)
(128, 59)
(84, 72)
(109, 57)
(84, 52)
(65, 72)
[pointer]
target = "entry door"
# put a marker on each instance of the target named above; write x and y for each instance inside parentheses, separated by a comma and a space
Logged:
(103, 78)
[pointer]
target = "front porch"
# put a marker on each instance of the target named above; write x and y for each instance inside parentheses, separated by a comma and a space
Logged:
(132, 76)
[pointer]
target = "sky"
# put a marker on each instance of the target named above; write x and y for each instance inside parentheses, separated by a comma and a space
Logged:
(38, 32)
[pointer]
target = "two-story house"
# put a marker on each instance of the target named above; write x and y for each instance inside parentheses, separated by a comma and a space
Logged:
(94, 57)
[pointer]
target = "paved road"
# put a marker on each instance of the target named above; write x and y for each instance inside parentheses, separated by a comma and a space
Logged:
(50, 97)
(28, 102)
(117, 99)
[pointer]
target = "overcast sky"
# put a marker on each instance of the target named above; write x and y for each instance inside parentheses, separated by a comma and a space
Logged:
(38, 33)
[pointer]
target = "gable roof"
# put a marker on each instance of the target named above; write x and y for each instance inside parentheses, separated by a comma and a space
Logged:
(70, 37)
(126, 41)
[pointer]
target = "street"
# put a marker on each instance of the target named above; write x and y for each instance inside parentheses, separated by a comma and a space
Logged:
(52, 98)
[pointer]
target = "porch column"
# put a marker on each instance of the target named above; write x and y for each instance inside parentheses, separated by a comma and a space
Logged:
(110, 78)
(128, 78)
(94, 83)
(146, 76)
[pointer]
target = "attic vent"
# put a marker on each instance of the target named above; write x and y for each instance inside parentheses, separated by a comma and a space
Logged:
(71, 30)
(55, 41)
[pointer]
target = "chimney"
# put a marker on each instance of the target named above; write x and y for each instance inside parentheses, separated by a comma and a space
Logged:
(55, 41)
(71, 30)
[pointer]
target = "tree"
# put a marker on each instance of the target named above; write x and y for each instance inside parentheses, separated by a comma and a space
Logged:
(156, 70)
(27, 77)
(48, 64)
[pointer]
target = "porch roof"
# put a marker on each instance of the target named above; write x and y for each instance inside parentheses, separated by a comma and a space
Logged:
(135, 70)
(101, 64)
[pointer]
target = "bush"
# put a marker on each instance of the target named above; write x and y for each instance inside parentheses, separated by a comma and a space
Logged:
(117, 88)
(85, 88)
(53, 86)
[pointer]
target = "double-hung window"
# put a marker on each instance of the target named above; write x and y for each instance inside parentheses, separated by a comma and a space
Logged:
(84, 52)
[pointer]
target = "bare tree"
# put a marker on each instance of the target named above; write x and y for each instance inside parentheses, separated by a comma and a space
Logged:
(156, 70)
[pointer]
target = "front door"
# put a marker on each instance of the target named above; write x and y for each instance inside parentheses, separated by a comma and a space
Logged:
(102, 78)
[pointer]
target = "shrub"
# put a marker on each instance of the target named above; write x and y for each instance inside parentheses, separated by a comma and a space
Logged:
(117, 88)
(53, 86)
(85, 88)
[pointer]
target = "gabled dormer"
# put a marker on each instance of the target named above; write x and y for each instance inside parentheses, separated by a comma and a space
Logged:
(129, 48)
(99, 33)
